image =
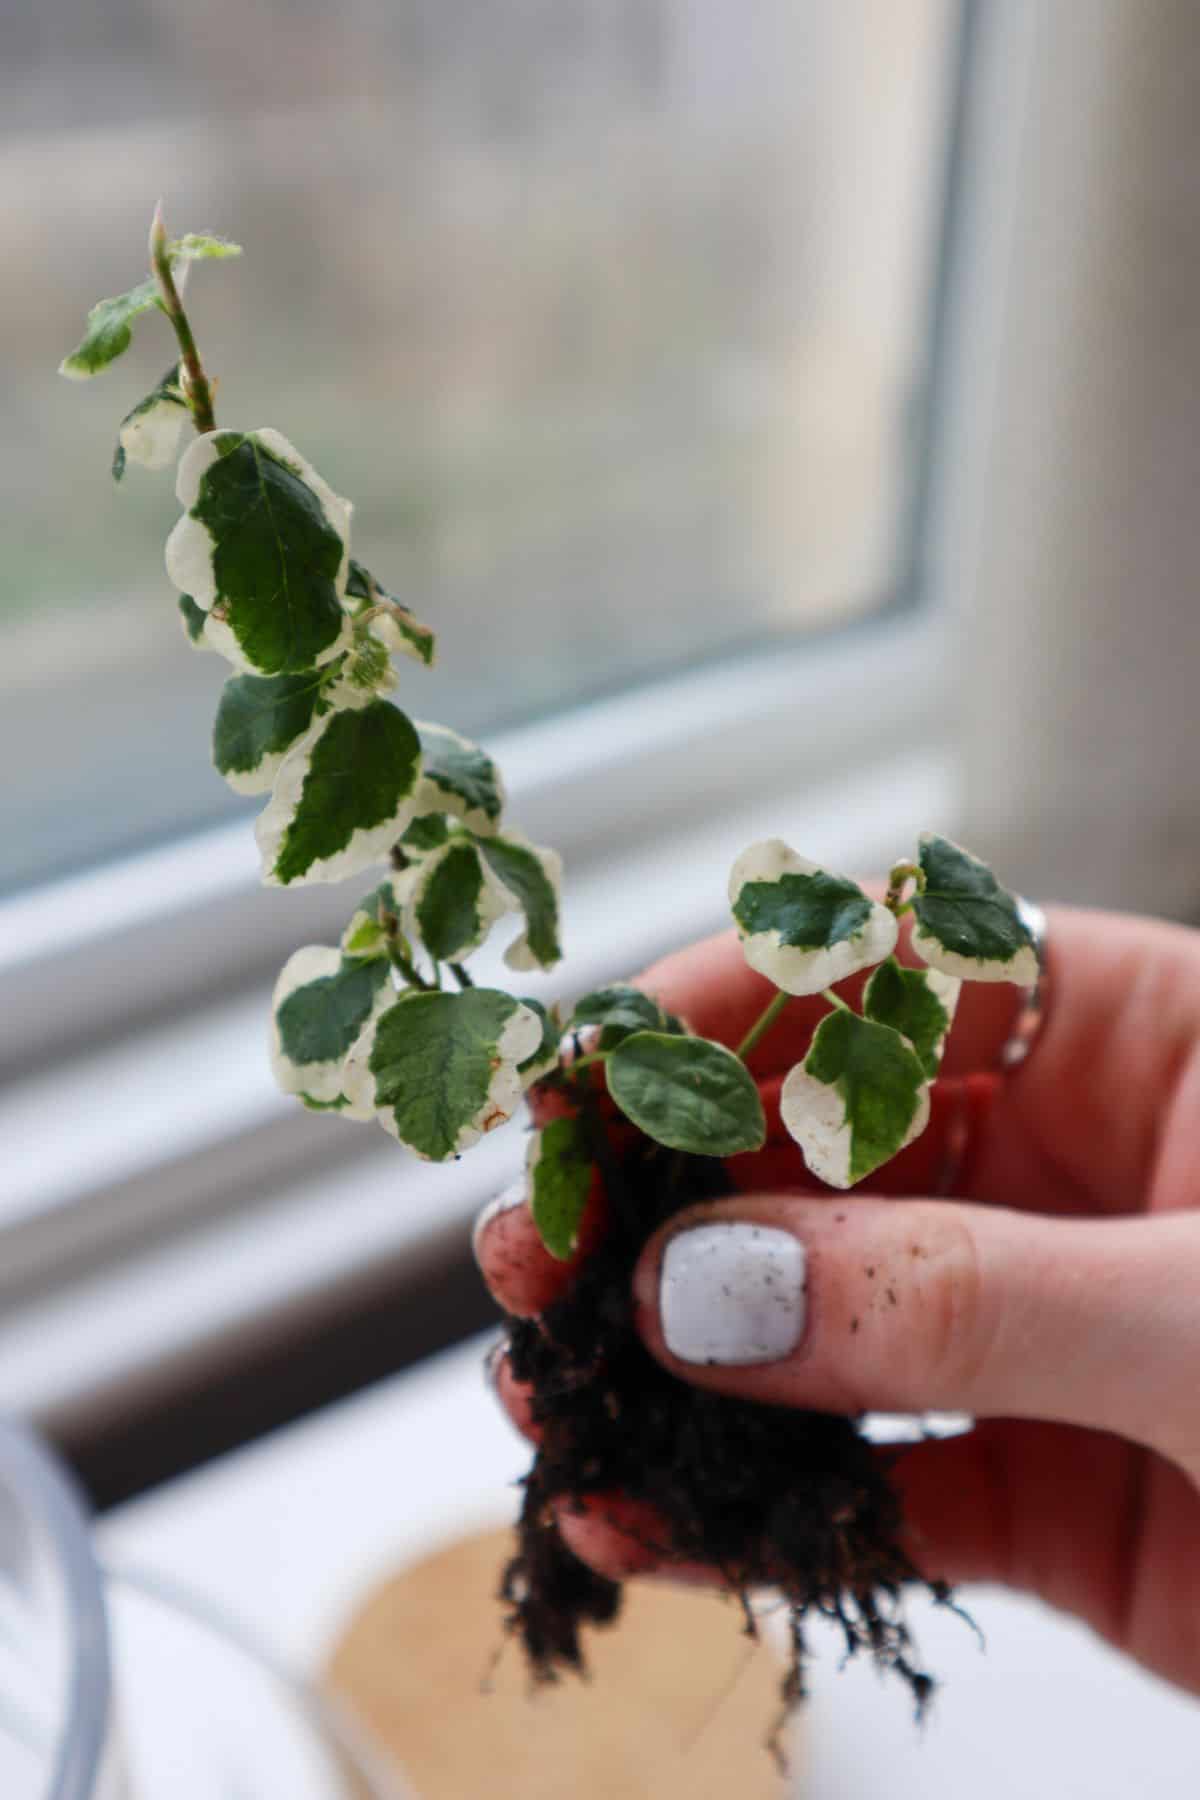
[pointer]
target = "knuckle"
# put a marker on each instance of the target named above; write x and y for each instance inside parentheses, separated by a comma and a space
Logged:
(949, 1300)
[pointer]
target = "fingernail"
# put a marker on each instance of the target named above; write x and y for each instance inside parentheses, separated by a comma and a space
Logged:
(732, 1293)
(504, 1201)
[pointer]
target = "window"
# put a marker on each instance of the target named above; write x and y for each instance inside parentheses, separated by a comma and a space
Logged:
(617, 322)
(613, 319)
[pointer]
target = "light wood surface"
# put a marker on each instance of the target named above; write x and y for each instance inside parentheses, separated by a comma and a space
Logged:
(679, 1702)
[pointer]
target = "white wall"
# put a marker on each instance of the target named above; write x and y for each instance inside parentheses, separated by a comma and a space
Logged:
(1071, 557)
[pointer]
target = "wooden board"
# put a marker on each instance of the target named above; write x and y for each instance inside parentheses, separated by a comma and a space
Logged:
(679, 1701)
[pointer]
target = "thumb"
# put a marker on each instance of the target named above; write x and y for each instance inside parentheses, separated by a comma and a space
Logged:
(869, 1305)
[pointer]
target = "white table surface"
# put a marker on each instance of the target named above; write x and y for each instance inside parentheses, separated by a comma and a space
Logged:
(287, 1534)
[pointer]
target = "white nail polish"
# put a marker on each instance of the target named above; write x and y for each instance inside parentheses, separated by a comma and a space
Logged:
(513, 1195)
(732, 1294)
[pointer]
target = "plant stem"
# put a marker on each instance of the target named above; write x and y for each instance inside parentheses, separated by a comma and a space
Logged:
(901, 874)
(401, 960)
(836, 1000)
(460, 975)
(586, 1062)
(196, 386)
(762, 1024)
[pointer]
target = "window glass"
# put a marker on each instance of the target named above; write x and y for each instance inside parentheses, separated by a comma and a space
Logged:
(611, 316)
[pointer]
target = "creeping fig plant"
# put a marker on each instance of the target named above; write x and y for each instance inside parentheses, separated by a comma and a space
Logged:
(635, 1116)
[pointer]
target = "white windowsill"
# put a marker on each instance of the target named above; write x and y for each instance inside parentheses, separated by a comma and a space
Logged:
(153, 1310)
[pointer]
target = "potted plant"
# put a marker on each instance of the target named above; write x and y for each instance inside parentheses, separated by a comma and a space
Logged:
(634, 1115)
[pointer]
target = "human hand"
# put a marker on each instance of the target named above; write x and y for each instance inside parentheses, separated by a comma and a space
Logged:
(1057, 1299)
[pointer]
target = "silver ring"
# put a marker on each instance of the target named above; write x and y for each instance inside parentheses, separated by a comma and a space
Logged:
(1016, 1047)
(1031, 1017)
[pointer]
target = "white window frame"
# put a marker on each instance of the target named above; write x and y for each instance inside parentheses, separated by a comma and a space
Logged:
(846, 743)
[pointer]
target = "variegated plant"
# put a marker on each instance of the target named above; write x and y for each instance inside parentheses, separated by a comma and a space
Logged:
(862, 1091)
(389, 1024)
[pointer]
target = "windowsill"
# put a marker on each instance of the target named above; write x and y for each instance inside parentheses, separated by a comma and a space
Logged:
(176, 1256)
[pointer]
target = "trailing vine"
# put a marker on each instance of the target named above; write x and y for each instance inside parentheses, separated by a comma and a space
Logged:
(389, 1024)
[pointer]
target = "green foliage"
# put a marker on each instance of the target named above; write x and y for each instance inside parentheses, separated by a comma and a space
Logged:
(808, 912)
(369, 931)
(458, 778)
(687, 1093)
(109, 331)
(262, 560)
(545, 1057)
(393, 624)
(110, 322)
(455, 903)
(800, 926)
(967, 924)
(858, 1097)
(918, 1003)
(259, 718)
(441, 1069)
(531, 877)
(425, 834)
(262, 547)
(364, 937)
(342, 797)
(319, 1022)
(619, 1012)
(194, 620)
(149, 432)
(201, 246)
(560, 1180)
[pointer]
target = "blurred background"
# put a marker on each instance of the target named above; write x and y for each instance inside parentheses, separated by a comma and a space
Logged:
(612, 318)
(786, 413)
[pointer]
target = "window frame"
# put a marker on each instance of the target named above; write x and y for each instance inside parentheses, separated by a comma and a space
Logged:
(612, 784)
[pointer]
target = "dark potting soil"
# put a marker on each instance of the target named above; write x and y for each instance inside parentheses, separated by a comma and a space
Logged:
(774, 1497)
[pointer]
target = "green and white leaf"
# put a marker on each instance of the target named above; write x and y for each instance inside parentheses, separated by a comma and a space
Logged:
(533, 876)
(195, 623)
(149, 434)
(455, 901)
(545, 1057)
(342, 796)
(259, 719)
(458, 778)
(918, 1003)
(201, 246)
(321, 1003)
(619, 1012)
(560, 1173)
(395, 627)
(966, 923)
(687, 1093)
(367, 934)
(425, 835)
(110, 322)
(859, 1096)
(402, 634)
(366, 672)
(441, 1069)
(109, 331)
(800, 926)
(263, 549)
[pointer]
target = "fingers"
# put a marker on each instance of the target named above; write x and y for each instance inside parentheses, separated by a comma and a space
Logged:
(620, 1537)
(907, 1306)
(1101, 1117)
(520, 1272)
(711, 986)
(958, 1115)
(525, 1279)
(516, 1397)
(1079, 1127)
